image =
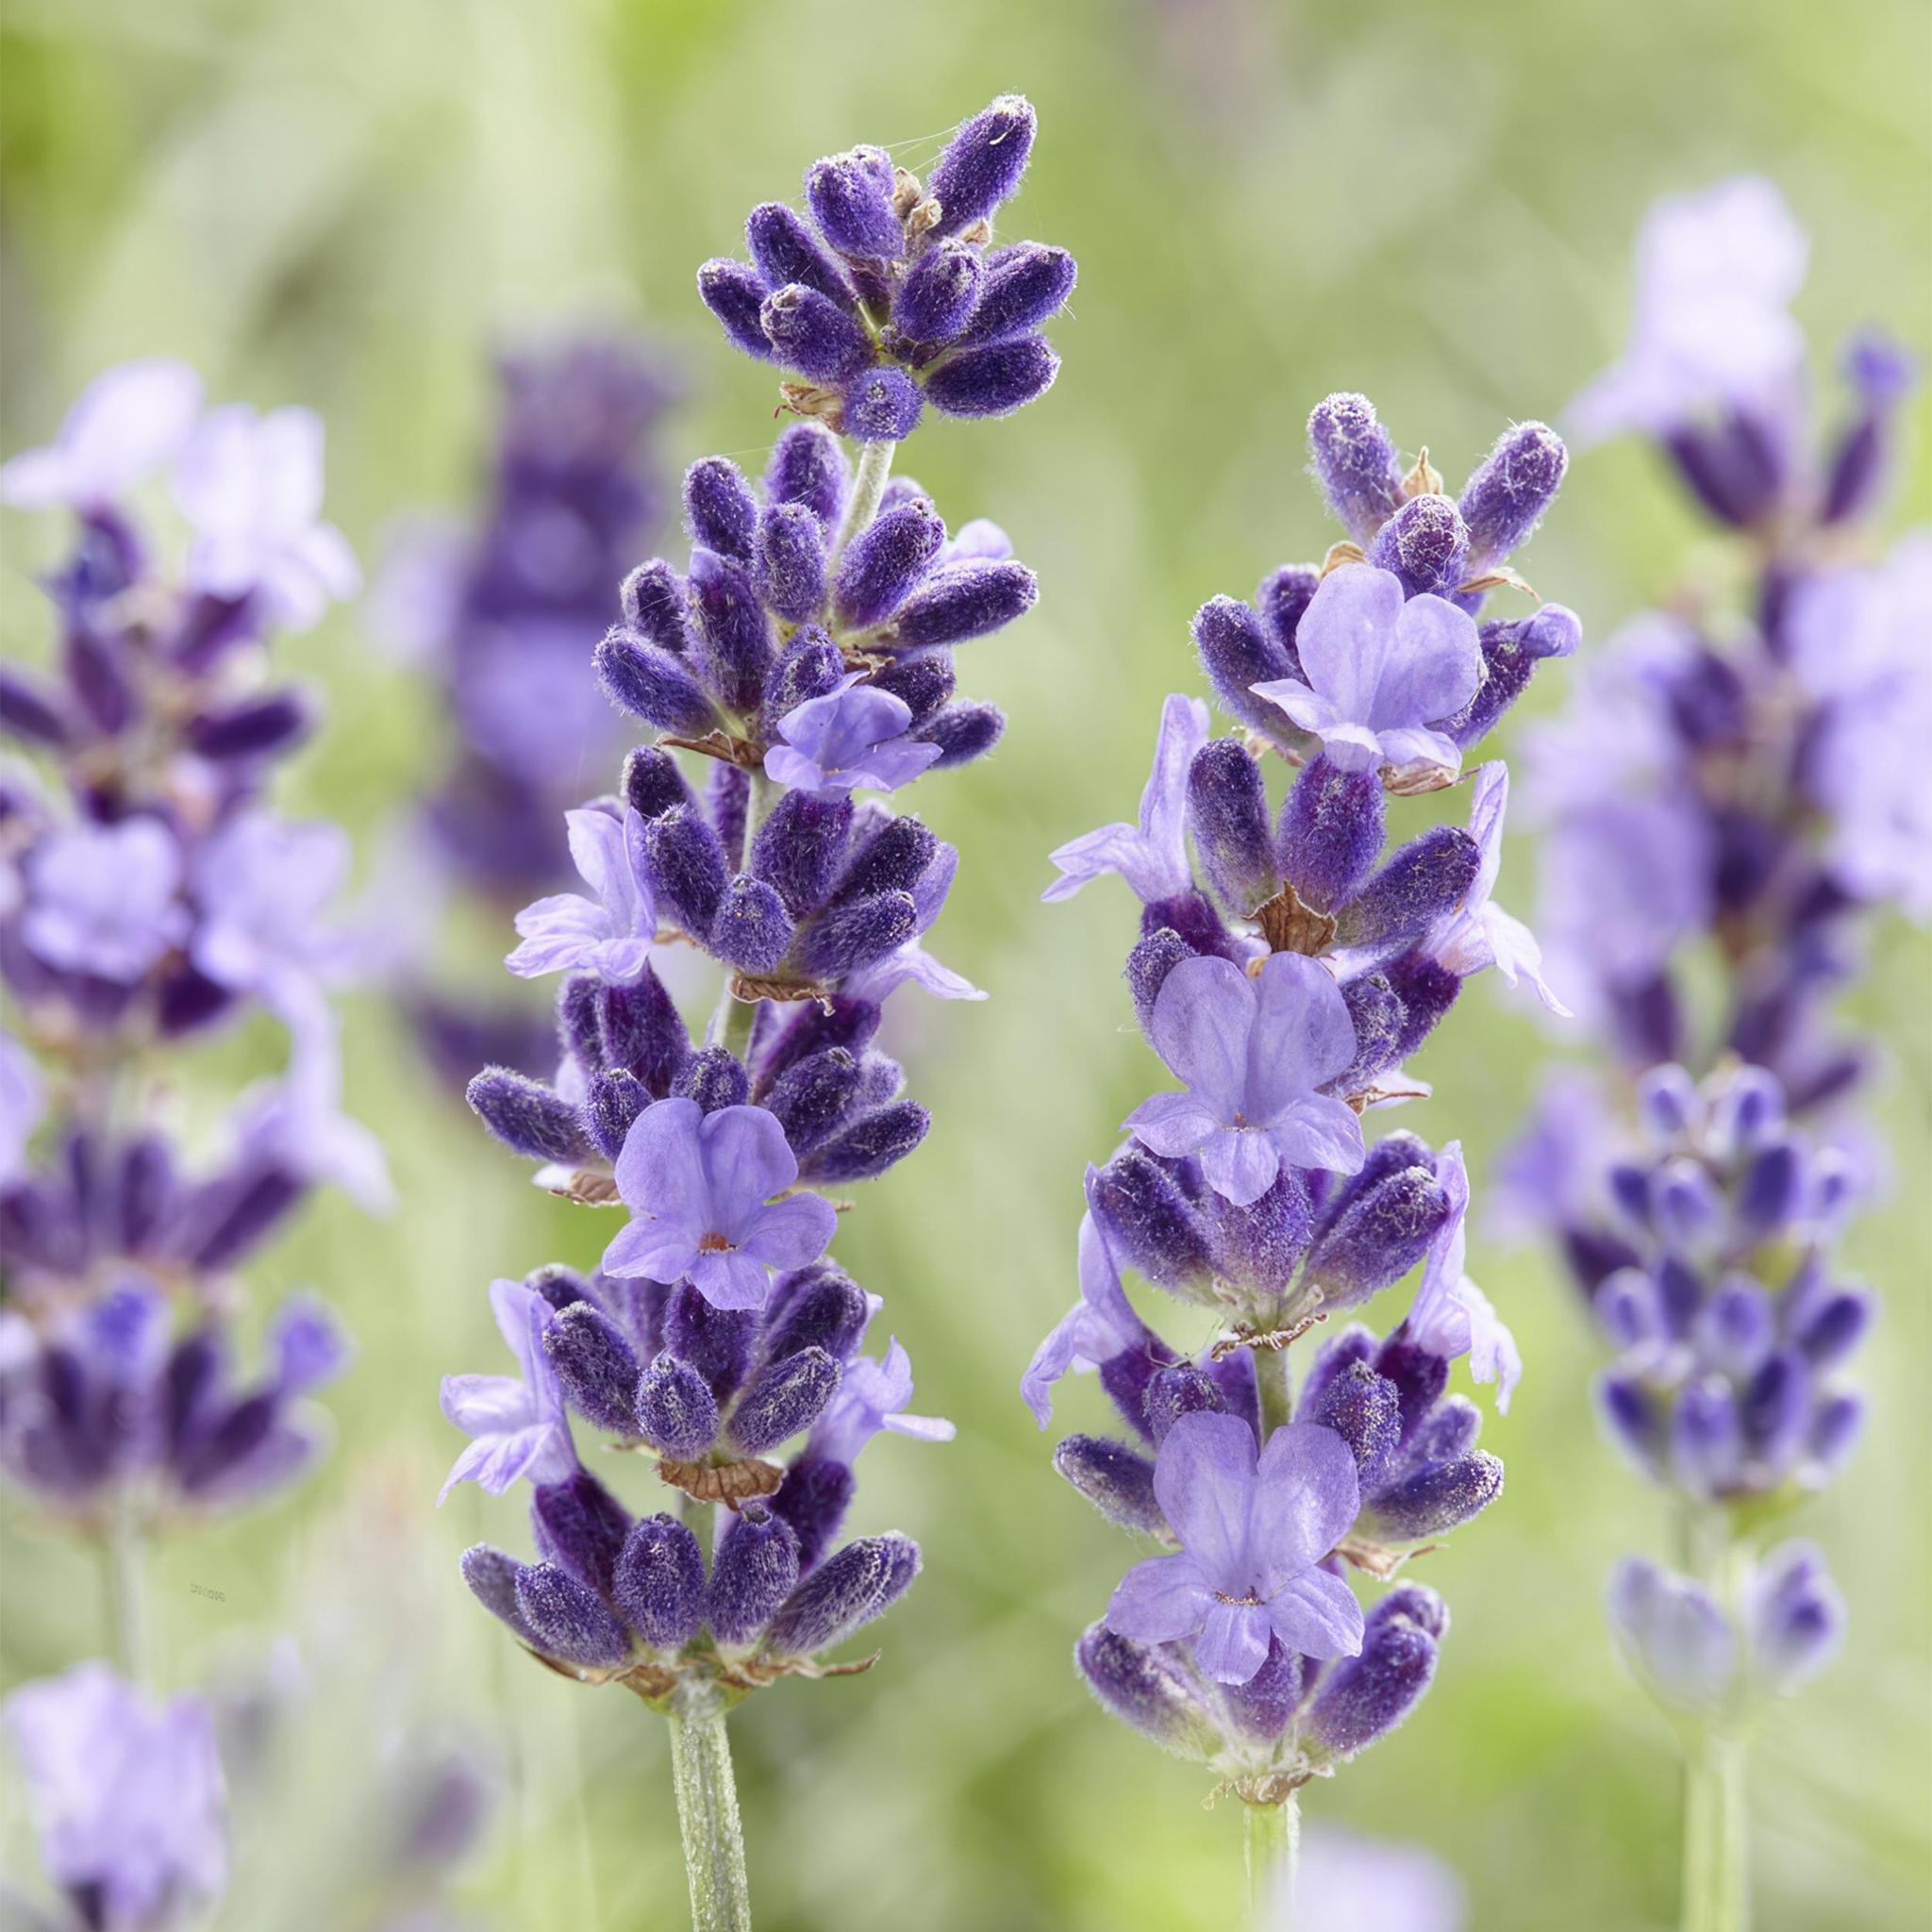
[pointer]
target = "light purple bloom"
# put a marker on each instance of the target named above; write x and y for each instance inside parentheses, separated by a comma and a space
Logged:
(1479, 933)
(1710, 327)
(251, 486)
(516, 1423)
(1451, 1315)
(1344, 1880)
(102, 899)
(23, 1100)
(1673, 1636)
(1152, 855)
(851, 738)
(1252, 1534)
(608, 934)
(260, 884)
(128, 1801)
(1098, 1326)
(127, 423)
(1381, 669)
(699, 1188)
(873, 1396)
(1551, 1177)
(1253, 1052)
(911, 962)
(1794, 1616)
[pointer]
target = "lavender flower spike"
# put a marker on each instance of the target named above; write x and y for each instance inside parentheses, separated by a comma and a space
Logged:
(516, 1423)
(1253, 1052)
(1152, 855)
(848, 740)
(1253, 1535)
(699, 1186)
(610, 935)
(1380, 671)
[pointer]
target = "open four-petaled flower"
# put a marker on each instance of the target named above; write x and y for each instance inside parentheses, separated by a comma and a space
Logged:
(1252, 1534)
(1381, 669)
(699, 1186)
(516, 1423)
(609, 934)
(846, 739)
(1253, 1052)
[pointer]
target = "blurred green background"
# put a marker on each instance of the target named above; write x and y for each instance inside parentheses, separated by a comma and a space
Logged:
(347, 203)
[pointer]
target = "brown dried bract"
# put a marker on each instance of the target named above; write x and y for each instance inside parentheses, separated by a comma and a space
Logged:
(730, 1483)
(743, 987)
(825, 406)
(588, 1187)
(1498, 577)
(1289, 927)
(723, 745)
(1415, 781)
(1376, 1559)
(1269, 1342)
(1342, 553)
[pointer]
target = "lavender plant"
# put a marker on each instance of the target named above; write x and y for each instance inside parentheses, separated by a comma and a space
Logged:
(1284, 973)
(1750, 809)
(804, 653)
(152, 898)
(498, 612)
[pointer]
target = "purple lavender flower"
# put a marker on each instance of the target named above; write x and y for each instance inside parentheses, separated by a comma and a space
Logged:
(1252, 1534)
(260, 884)
(1450, 1316)
(128, 421)
(1344, 1879)
(872, 1396)
(102, 899)
(1673, 1636)
(1253, 1052)
(700, 1190)
(128, 1801)
(251, 486)
(1151, 856)
(1379, 669)
(611, 934)
(848, 740)
(516, 1423)
(23, 1102)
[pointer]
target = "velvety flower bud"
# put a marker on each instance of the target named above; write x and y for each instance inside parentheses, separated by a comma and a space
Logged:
(1143, 1685)
(1505, 500)
(814, 335)
(1026, 285)
(881, 565)
(1355, 463)
(1115, 1479)
(1379, 1019)
(1512, 652)
(677, 1413)
(813, 1499)
(1227, 814)
(867, 1148)
(1426, 544)
(1148, 965)
(1735, 1329)
(562, 1288)
(855, 934)
(1331, 832)
(653, 685)
(732, 630)
(1150, 1224)
(687, 868)
(1257, 1245)
(1379, 1236)
(1706, 1438)
(643, 1033)
(1281, 597)
(718, 1343)
(715, 1078)
(882, 404)
(735, 294)
(1775, 1408)
(1772, 1192)
(527, 1117)
(1627, 1310)
(653, 602)
(813, 1096)
(1797, 1618)
(1427, 879)
(982, 164)
(993, 381)
(789, 572)
(1362, 1698)
(1634, 1419)
(28, 710)
(1447, 1430)
(579, 1020)
(1673, 1636)
(580, 1526)
(1238, 652)
(492, 1575)
(752, 930)
(821, 1307)
(963, 733)
(1173, 1393)
(809, 667)
(720, 511)
(861, 1582)
(1436, 1499)
(850, 196)
(1667, 1103)
(754, 1570)
(597, 1368)
(961, 601)
(799, 848)
(568, 1619)
(784, 1399)
(1836, 1327)
(785, 250)
(1734, 468)
(659, 1582)
(1836, 1428)
(727, 804)
(1684, 1209)
(922, 684)
(939, 292)
(1365, 1410)
(809, 467)
(651, 783)
(252, 729)
(1883, 374)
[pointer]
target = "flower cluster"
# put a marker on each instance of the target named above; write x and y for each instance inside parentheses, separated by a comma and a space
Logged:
(805, 654)
(1285, 970)
(497, 612)
(1752, 801)
(891, 295)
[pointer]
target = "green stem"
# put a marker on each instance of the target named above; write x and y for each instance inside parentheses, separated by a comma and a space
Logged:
(1272, 1379)
(122, 1551)
(868, 485)
(1272, 1842)
(708, 1810)
(1716, 1892)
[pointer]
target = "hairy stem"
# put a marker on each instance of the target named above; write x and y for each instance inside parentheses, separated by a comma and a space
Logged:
(868, 485)
(708, 1810)
(1716, 1892)
(1273, 1840)
(1272, 1379)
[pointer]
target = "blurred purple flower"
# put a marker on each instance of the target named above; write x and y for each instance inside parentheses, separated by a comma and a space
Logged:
(102, 899)
(260, 884)
(699, 1188)
(1550, 1175)
(1252, 1534)
(1451, 1315)
(1673, 1636)
(23, 1100)
(609, 934)
(1253, 1052)
(1151, 856)
(516, 1423)
(127, 423)
(847, 740)
(1381, 669)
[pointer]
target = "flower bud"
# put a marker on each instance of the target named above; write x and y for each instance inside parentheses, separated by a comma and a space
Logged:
(858, 933)
(643, 1033)
(734, 636)
(807, 466)
(1331, 832)
(861, 1582)
(789, 563)
(938, 294)
(963, 601)
(653, 685)
(850, 196)
(1356, 464)
(784, 250)
(882, 404)
(568, 1619)
(659, 1582)
(1237, 652)
(1145, 1687)
(1379, 1236)
(1505, 500)
(1227, 815)
(734, 293)
(754, 1570)
(1115, 1479)
(870, 1145)
(982, 164)
(1673, 1636)
(1795, 1619)
(492, 1575)
(993, 381)
(885, 561)
(784, 1399)
(813, 1499)
(597, 1367)
(752, 930)
(580, 1526)
(677, 1413)
(1426, 544)
(718, 1343)
(1425, 880)
(1150, 1224)
(819, 1307)
(527, 1117)
(687, 868)
(814, 335)
(1026, 287)
(962, 733)
(1363, 1698)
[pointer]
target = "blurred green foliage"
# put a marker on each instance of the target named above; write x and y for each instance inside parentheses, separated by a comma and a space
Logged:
(346, 203)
